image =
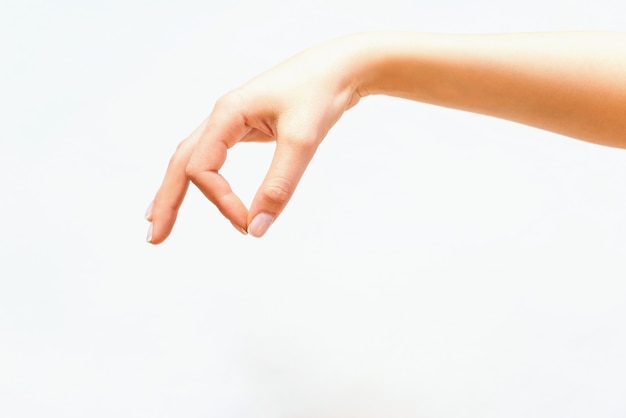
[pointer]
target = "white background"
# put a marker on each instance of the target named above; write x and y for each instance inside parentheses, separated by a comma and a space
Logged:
(433, 263)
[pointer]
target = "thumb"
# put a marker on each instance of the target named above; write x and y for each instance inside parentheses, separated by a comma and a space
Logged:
(291, 158)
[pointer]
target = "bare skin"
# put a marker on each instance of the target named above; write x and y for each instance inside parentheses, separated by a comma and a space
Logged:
(571, 83)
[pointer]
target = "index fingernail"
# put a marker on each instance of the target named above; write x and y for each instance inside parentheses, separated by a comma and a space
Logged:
(240, 229)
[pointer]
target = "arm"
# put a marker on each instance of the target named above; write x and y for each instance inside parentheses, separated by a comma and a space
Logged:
(570, 83)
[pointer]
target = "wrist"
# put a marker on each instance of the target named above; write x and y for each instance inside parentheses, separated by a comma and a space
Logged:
(416, 66)
(380, 62)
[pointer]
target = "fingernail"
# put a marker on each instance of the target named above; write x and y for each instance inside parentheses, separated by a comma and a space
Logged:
(260, 224)
(148, 214)
(149, 236)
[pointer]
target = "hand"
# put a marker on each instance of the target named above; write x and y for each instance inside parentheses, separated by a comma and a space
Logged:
(294, 104)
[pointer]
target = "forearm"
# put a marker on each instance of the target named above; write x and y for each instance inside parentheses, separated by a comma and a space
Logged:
(570, 83)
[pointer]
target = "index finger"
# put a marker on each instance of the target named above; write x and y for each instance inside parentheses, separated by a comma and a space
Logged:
(221, 132)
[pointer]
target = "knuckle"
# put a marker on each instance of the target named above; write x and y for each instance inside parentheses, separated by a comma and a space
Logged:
(231, 101)
(303, 144)
(309, 145)
(177, 159)
(180, 157)
(182, 146)
(278, 191)
(303, 138)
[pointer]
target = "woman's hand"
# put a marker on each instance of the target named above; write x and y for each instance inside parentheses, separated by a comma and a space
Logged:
(294, 104)
(570, 83)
